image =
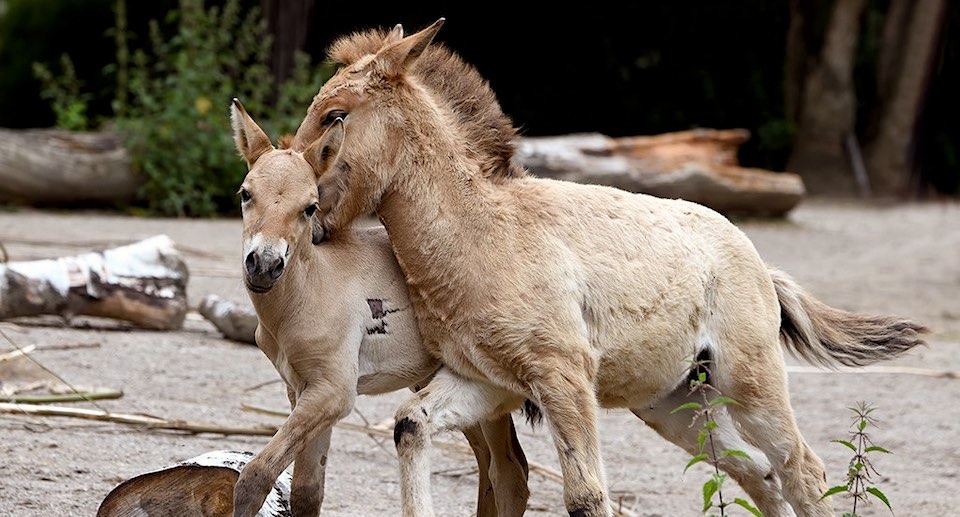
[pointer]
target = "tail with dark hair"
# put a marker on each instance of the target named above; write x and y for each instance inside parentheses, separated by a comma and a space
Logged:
(824, 335)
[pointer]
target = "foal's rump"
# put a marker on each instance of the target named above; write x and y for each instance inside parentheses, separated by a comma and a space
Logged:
(658, 281)
(663, 281)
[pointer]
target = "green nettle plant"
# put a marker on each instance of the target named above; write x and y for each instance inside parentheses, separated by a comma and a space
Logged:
(707, 450)
(859, 484)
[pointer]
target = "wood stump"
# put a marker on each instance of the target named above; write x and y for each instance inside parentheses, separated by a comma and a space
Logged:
(199, 486)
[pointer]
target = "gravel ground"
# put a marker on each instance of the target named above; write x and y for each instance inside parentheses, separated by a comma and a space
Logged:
(902, 259)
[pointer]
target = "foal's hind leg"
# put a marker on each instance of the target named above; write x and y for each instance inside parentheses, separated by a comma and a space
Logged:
(754, 475)
(758, 381)
(508, 466)
(447, 402)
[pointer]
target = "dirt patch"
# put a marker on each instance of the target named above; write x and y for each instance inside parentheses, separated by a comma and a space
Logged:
(902, 259)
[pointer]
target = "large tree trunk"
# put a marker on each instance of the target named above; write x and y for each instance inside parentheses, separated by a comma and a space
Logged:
(826, 112)
(911, 36)
(49, 166)
(288, 21)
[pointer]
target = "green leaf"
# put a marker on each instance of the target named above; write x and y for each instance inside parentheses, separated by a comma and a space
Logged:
(709, 489)
(834, 490)
(749, 507)
(876, 448)
(879, 495)
(702, 438)
(710, 425)
(849, 445)
(688, 405)
(702, 377)
(862, 425)
(694, 460)
(734, 452)
(722, 400)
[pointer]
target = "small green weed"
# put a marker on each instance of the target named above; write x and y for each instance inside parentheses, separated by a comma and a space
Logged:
(859, 484)
(707, 449)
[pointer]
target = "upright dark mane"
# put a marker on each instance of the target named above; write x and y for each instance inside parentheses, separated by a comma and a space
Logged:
(462, 88)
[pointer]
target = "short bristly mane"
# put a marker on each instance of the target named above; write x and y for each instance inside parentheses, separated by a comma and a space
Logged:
(460, 86)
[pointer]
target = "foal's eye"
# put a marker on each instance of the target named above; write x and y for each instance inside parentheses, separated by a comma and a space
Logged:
(244, 195)
(332, 116)
(310, 210)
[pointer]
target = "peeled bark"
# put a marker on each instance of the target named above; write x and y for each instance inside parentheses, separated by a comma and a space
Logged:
(144, 283)
(827, 109)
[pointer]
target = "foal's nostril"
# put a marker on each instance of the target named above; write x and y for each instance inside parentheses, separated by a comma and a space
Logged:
(277, 269)
(250, 263)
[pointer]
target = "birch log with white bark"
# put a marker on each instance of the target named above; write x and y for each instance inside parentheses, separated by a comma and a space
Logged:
(144, 283)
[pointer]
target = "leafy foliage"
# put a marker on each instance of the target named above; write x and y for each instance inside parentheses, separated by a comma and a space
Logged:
(860, 469)
(172, 101)
(176, 122)
(63, 92)
(706, 447)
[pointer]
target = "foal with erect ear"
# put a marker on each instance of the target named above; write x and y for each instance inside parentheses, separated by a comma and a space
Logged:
(575, 296)
(335, 320)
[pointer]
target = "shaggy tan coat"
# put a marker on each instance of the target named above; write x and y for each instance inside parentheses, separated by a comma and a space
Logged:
(335, 320)
(572, 295)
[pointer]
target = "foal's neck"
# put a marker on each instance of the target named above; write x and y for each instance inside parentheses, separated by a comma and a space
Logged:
(439, 216)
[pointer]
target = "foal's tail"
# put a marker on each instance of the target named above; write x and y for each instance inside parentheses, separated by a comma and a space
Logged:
(822, 334)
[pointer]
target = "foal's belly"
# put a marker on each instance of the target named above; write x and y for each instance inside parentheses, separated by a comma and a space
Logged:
(638, 376)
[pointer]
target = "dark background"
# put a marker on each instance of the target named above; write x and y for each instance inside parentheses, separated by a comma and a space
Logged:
(619, 68)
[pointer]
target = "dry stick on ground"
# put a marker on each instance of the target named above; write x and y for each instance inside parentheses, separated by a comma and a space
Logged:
(20, 352)
(943, 374)
(135, 420)
(56, 398)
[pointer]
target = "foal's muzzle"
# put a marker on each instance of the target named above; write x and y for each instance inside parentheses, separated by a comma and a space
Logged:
(262, 269)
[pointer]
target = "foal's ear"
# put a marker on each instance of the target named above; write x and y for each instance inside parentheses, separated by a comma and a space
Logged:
(395, 35)
(251, 141)
(324, 152)
(398, 57)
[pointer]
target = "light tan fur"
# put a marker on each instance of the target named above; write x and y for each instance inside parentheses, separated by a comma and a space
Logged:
(336, 322)
(575, 296)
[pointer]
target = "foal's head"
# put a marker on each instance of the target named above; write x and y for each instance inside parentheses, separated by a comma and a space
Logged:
(399, 95)
(279, 197)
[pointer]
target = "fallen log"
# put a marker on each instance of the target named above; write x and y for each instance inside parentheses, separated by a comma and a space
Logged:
(698, 165)
(48, 166)
(143, 283)
(235, 322)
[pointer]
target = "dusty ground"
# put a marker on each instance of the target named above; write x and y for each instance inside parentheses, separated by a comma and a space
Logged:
(900, 259)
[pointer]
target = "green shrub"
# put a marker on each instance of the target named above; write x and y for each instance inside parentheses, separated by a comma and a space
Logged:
(63, 92)
(172, 101)
(175, 116)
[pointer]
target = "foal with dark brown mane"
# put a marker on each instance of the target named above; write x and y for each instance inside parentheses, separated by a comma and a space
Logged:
(575, 296)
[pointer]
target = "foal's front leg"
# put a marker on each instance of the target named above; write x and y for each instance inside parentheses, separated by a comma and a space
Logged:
(309, 471)
(319, 406)
(447, 402)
